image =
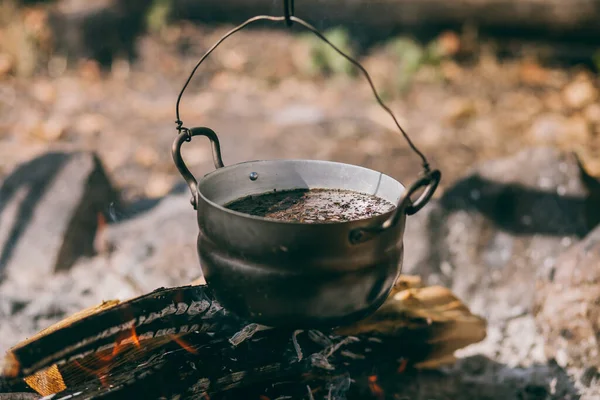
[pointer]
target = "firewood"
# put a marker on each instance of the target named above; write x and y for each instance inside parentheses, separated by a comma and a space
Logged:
(180, 343)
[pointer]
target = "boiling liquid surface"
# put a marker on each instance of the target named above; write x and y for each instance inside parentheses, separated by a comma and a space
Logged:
(312, 205)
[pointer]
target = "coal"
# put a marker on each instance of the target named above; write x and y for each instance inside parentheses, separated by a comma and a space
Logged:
(312, 205)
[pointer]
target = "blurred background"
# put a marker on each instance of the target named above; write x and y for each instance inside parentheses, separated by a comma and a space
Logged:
(499, 94)
(469, 80)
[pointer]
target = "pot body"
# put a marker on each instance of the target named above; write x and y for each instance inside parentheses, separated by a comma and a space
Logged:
(291, 274)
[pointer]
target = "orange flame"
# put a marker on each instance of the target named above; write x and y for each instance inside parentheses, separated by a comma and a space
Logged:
(134, 337)
(101, 371)
(101, 364)
(100, 241)
(402, 366)
(131, 338)
(376, 390)
(184, 345)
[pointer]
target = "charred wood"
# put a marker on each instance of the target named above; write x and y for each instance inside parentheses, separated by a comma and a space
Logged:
(180, 343)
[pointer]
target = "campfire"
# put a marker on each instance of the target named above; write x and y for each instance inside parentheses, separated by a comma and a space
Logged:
(301, 300)
(181, 343)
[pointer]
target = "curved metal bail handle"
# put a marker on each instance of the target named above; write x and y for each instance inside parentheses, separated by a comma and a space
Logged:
(430, 178)
(430, 181)
(186, 136)
(289, 18)
(249, 21)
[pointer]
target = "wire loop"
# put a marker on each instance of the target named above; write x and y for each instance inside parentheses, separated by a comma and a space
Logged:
(291, 18)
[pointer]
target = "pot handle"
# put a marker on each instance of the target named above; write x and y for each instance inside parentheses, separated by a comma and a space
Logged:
(289, 20)
(186, 136)
(429, 181)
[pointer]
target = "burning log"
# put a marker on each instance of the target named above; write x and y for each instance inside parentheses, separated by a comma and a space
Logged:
(180, 343)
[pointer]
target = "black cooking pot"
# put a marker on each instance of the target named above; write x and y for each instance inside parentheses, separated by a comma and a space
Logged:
(300, 275)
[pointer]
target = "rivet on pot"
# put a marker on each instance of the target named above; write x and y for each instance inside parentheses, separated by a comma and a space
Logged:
(253, 176)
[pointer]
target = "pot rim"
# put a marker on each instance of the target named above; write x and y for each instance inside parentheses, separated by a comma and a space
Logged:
(294, 223)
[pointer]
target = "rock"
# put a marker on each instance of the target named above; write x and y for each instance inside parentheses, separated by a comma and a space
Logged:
(234, 59)
(44, 92)
(490, 237)
(577, 131)
(159, 185)
(451, 70)
(7, 65)
(580, 93)
(553, 102)
(49, 210)
(559, 130)
(50, 130)
(152, 258)
(548, 127)
(532, 73)
(449, 43)
(592, 113)
(120, 69)
(150, 244)
(590, 159)
(492, 233)
(568, 305)
(589, 376)
(90, 70)
(458, 109)
(90, 124)
(146, 156)
(299, 114)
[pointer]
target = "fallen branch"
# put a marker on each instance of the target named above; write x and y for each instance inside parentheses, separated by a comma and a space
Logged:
(548, 17)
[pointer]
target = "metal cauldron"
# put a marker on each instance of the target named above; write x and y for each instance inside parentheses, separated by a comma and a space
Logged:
(297, 274)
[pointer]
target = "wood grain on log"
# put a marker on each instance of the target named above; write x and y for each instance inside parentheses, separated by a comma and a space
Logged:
(179, 343)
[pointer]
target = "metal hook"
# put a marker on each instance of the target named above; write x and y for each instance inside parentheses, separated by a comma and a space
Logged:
(288, 11)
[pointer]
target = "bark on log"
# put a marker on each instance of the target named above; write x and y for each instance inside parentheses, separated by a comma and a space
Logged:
(578, 17)
(179, 343)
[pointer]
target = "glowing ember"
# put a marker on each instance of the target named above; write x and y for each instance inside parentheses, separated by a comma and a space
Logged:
(402, 366)
(376, 390)
(100, 240)
(99, 373)
(105, 358)
(134, 337)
